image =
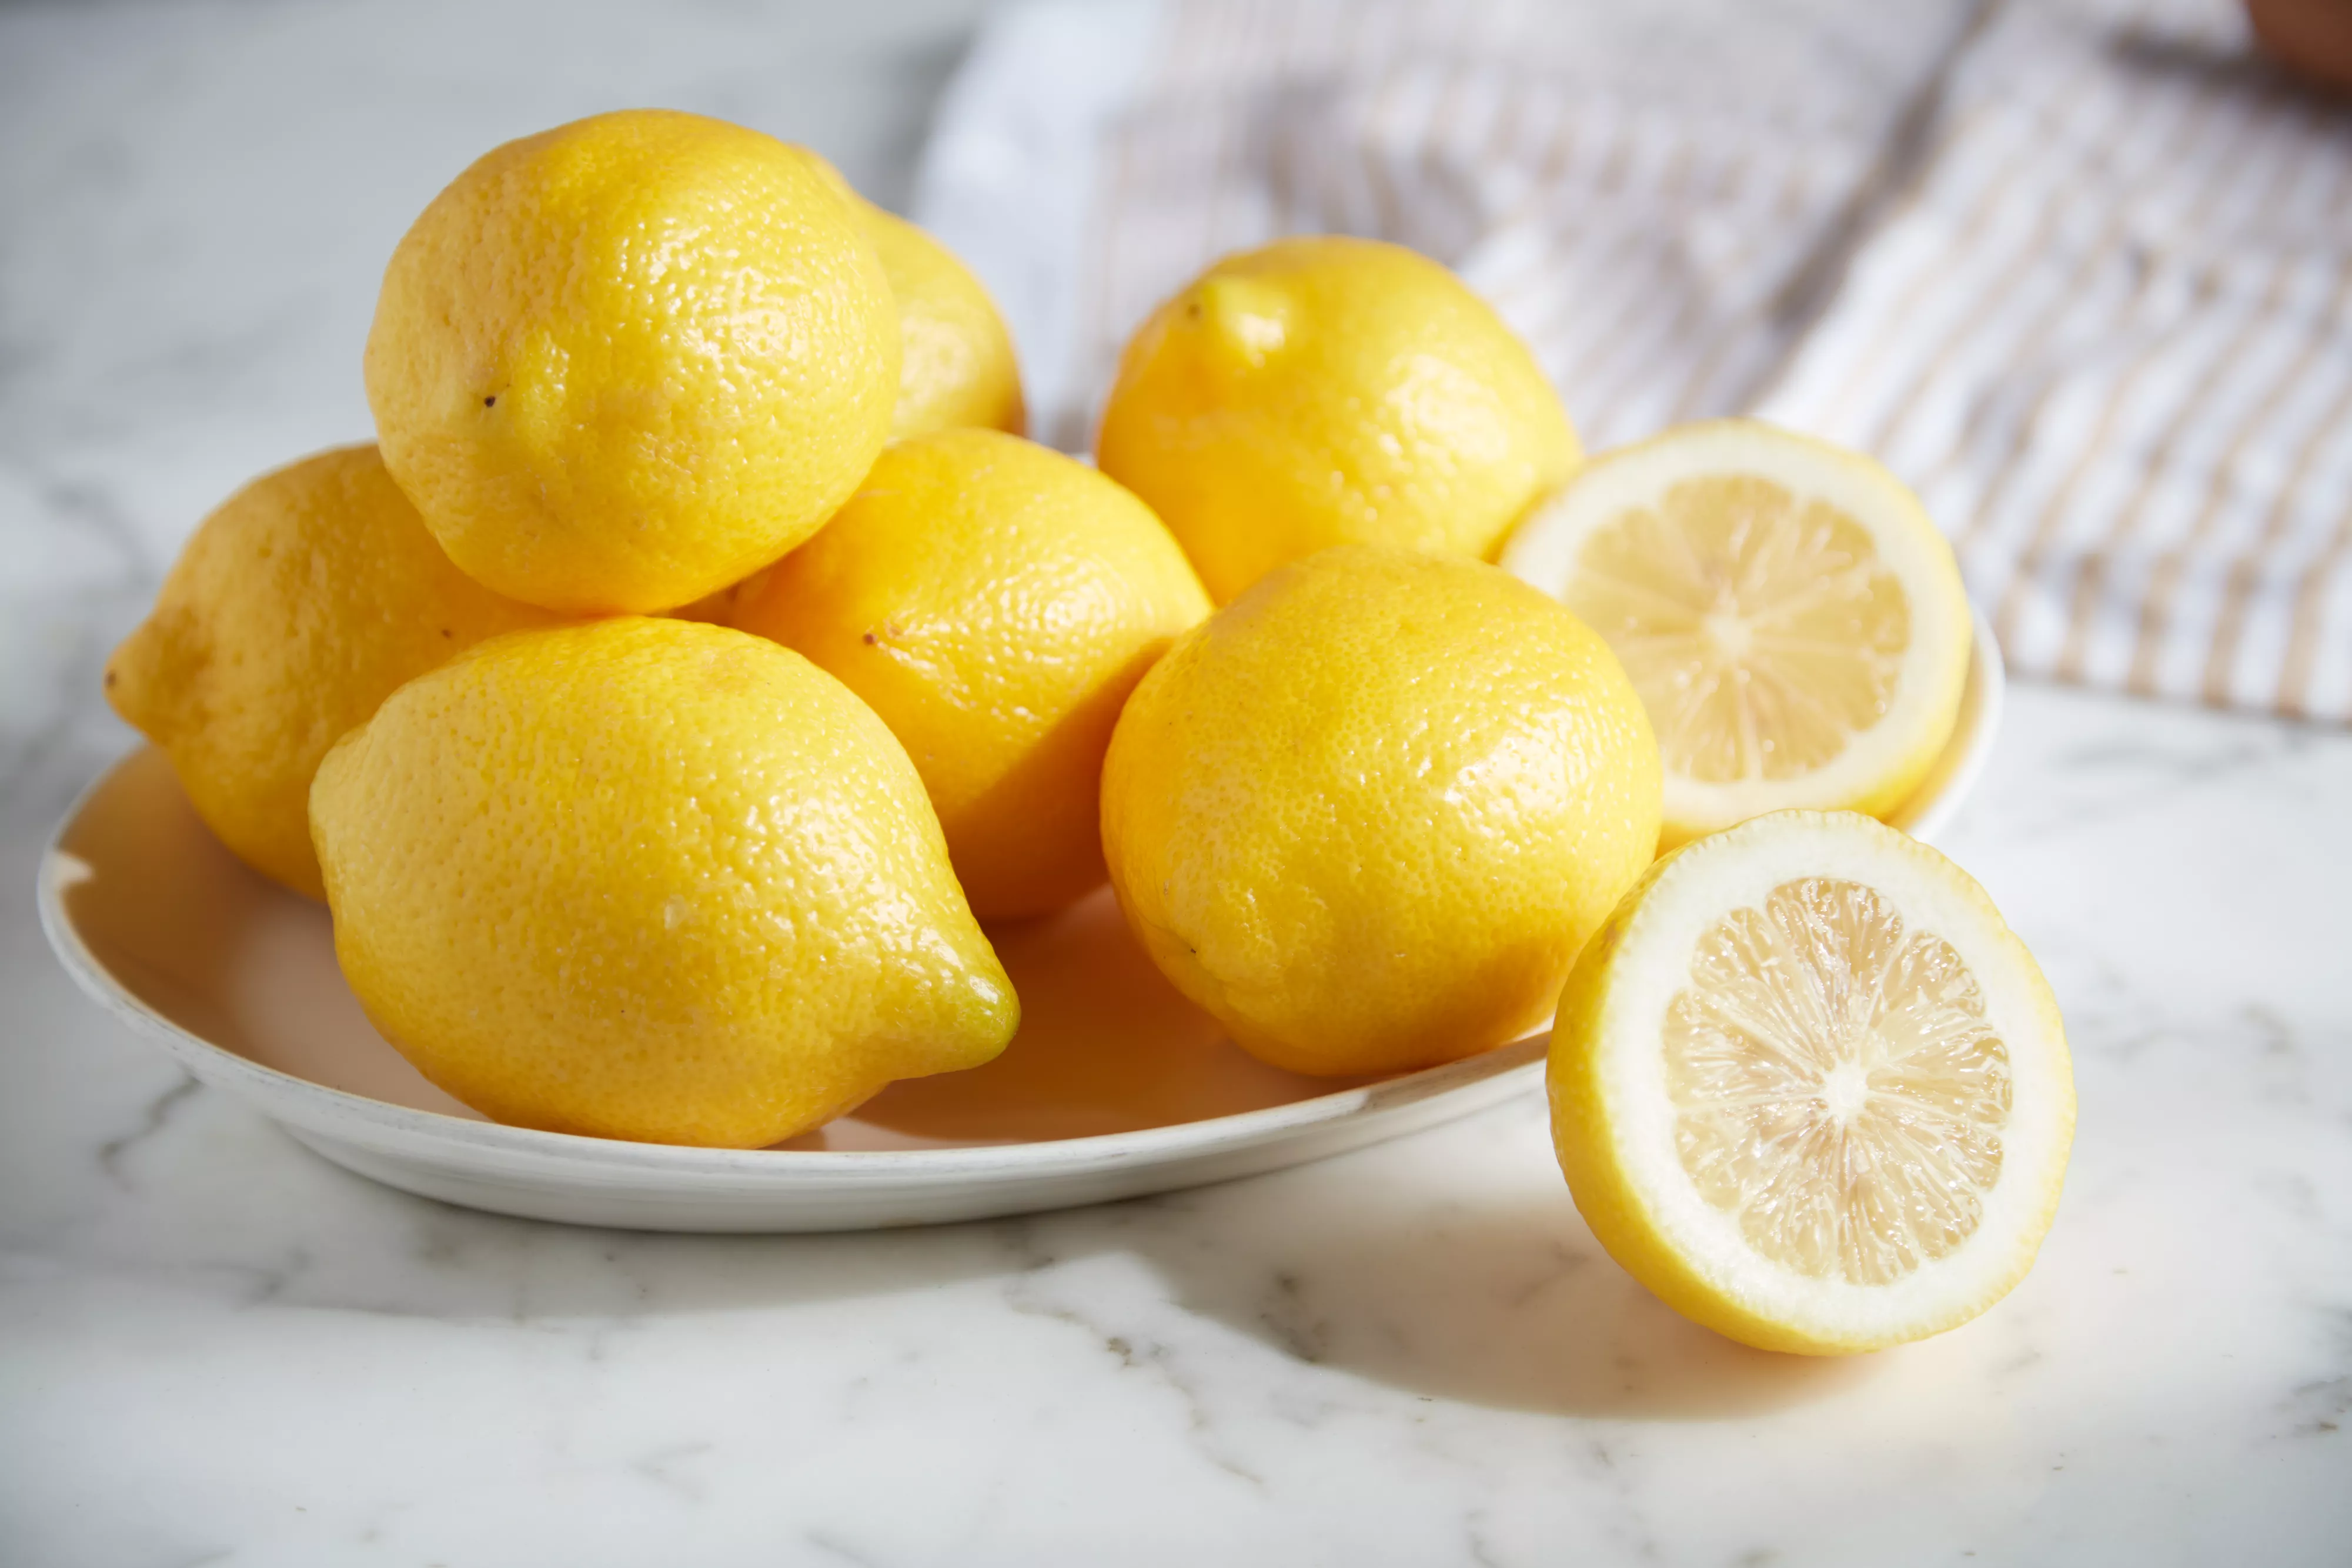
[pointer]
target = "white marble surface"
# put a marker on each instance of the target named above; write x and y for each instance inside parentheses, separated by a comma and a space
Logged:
(216, 1349)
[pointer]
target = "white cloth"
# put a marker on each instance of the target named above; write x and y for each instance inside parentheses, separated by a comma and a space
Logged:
(2081, 273)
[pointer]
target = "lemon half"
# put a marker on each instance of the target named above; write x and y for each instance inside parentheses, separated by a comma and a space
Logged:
(1809, 1089)
(1794, 621)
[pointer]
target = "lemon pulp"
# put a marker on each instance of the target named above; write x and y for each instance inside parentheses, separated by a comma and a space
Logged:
(1794, 620)
(1835, 1084)
(1760, 628)
(1807, 1086)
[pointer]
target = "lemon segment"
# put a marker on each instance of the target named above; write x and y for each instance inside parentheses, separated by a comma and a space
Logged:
(1795, 622)
(1809, 1088)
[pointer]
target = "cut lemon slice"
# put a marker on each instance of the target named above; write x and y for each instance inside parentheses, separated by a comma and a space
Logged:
(1794, 620)
(1809, 1090)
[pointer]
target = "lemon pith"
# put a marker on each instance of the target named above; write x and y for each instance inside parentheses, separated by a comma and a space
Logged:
(1809, 1089)
(649, 879)
(1795, 622)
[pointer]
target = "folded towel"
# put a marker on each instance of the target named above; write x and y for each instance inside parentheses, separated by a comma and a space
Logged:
(2082, 274)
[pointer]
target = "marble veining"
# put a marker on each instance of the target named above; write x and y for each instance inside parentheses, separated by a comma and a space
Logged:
(215, 1348)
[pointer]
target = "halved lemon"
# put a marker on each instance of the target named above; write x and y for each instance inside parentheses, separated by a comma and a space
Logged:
(1795, 622)
(1809, 1089)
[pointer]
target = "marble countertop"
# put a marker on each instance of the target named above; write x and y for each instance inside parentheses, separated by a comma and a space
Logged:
(215, 1348)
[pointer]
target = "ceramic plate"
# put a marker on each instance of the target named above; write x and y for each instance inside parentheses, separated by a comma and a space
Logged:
(1115, 1087)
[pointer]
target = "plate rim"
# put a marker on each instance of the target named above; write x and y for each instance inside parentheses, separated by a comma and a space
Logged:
(55, 873)
(342, 1112)
(1988, 677)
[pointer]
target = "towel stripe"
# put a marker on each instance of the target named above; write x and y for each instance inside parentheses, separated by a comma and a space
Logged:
(2104, 326)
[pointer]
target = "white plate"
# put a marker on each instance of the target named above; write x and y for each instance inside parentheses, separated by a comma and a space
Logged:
(1116, 1086)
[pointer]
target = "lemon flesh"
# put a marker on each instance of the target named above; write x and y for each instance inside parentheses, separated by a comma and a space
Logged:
(1366, 814)
(1795, 624)
(1331, 390)
(652, 880)
(1809, 1089)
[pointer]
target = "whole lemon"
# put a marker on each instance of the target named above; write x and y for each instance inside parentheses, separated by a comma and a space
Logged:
(1331, 391)
(650, 879)
(298, 604)
(627, 361)
(958, 367)
(1367, 814)
(995, 602)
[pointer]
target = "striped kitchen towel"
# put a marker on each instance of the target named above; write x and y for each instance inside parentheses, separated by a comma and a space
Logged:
(2081, 273)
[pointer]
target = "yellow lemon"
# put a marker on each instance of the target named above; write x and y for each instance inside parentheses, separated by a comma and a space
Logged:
(627, 361)
(718, 609)
(1331, 390)
(995, 602)
(1795, 624)
(1810, 1090)
(1367, 814)
(648, 879)
(299, 604)
(958, 367)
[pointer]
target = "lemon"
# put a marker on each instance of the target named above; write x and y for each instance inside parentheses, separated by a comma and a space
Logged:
(994, 603)
(1808, 1089)
(957, 366)
(297, 605)
(626, 362)
(649, 879)
(718, 608)
(1331, 390)
(1367, 814)
(1795, 624)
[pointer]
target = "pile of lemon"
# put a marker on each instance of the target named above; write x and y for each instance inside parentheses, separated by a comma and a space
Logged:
(699, 659)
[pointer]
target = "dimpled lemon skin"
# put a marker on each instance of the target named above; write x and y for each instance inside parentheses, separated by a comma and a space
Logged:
(651, 880)
(626, 362)
(298, 604)
(1331, 391)
(1367, 814)
(957, 368)
(995, 602)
